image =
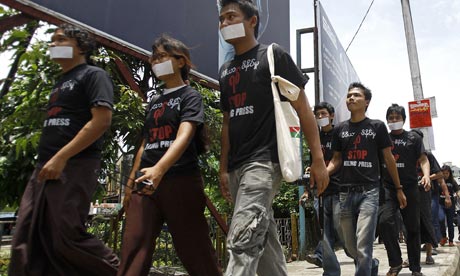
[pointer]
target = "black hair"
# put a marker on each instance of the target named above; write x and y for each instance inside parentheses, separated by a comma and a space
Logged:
(450, 179)
(248, 8)
(395, 108)
(324, 105)
(85, 40)
(177, 49)
(366, 91)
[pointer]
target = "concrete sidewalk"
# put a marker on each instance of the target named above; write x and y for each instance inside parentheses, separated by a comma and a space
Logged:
(446, 263)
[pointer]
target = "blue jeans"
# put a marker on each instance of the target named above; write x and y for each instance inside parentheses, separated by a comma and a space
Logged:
(331, 234)
(358, 220)
(448, 222)
(435, 216)
(252, 241)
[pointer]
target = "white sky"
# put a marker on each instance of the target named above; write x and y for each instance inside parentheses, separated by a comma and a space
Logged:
(379, 56)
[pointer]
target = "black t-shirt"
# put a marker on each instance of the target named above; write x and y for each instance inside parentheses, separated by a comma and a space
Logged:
(326, 147)
(452, 187)
(69, 109)
(407, 149)
(434, 169)
(245, 85)
(360, 145)
(162, 123)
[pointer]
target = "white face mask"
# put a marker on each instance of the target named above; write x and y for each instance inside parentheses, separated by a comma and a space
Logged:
(396, 126)
(322, 122)
(164, 68)
(61, 52)
(233, 31)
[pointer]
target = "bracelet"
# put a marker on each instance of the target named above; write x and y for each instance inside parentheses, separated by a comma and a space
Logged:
(399, 188)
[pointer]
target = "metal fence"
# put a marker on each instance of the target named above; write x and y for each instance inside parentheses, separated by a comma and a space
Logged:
(109, 228)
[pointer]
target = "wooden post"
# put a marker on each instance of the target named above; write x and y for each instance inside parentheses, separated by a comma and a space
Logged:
(221, 249)
(295, 239)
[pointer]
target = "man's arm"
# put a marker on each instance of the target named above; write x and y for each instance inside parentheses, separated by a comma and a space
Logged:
(319, 174)
(334, 164)
(223, 165)
(445, 191)
(393, 171)
(91, 131)
(425, 166)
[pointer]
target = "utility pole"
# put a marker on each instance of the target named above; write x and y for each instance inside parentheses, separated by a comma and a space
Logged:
(412, 50)
(428, 136)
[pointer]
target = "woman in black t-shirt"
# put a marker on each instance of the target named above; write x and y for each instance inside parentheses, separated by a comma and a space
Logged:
(168, 186)
(452, 186)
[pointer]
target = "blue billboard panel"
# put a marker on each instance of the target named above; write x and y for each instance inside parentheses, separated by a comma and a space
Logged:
(335, 69)
(139, 22)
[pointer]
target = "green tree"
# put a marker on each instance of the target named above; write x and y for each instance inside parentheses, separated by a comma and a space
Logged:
(23, 110)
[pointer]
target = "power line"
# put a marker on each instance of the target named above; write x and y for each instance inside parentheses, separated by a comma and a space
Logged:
(357, 31)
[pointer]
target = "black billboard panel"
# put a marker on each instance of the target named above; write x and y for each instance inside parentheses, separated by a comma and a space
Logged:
(335, 69)
(137, 23)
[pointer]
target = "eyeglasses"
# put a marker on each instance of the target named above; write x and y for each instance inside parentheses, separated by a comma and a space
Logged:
(161, 56)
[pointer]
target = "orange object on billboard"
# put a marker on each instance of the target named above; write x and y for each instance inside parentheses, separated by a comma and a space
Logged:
(419, 113)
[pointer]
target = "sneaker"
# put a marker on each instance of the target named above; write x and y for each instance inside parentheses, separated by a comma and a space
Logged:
(429, 260)
(443, 241)
(416, 273)
(423, 248)
(451, 244)
(434, 252)
(375, 267)
(314, 259)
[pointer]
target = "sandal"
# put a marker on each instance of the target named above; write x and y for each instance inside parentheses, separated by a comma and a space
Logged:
(394, 271)
(405, 264)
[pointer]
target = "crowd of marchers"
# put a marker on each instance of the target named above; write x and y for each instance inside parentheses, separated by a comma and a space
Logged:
(365, 176)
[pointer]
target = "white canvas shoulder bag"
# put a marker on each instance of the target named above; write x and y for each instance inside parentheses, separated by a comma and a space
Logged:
(287, 124)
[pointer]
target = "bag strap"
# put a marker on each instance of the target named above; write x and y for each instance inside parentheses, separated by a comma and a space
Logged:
(271, 60)
(271, 66)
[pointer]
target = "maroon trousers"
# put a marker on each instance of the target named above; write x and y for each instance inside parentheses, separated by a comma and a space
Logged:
(50, 236)
(179, 201)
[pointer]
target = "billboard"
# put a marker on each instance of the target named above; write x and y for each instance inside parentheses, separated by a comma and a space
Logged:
(139, 22)
(335, 69)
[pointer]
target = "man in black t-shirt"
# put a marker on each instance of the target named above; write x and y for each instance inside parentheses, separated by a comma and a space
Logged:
(429, 208)
(408, 151)
(250, 174)
(50, 237)
(357, 145)
(324, 255)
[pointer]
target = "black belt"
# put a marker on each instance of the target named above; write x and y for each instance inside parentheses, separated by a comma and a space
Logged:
(356, 188)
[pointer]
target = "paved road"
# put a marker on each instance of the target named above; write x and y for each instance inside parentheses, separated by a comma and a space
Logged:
(445, 263)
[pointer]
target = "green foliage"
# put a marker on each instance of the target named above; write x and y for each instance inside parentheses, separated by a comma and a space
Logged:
(23, 111)
(209, 162)
(4, 260)
(21, 119)
(287, 201)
